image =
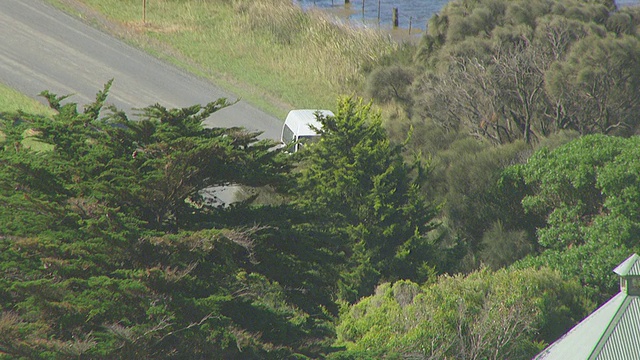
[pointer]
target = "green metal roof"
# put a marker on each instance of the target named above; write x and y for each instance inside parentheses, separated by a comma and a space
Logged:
(612, 332)
(623, 342)
(631, 266)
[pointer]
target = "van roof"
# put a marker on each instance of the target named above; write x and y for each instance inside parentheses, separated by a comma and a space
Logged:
(299, 121)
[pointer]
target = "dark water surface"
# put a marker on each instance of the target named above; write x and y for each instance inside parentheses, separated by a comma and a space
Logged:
(411, 13)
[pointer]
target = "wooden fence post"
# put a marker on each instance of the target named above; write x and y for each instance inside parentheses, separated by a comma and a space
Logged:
(395, 17)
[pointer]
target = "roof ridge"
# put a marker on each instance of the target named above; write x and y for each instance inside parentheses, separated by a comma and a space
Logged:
(629, 267)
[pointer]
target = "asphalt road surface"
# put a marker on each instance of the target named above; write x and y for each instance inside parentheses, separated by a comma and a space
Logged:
(42, 48)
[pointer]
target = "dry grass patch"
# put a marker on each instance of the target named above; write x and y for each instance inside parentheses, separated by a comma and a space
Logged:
(140, 27)
(269, 52)
(310, 46)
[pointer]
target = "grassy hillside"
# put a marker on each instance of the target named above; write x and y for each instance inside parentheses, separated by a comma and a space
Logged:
(268, 52)
(12, 100)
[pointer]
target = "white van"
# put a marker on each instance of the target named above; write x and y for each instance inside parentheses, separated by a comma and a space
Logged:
(297, 128)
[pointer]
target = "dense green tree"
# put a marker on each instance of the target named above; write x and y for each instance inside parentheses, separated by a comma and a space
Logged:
(587, 193)
(486, 315)
(367, 200)
(108, 249)
(389, 84)
(150, 167)
(464, 176)
(501, 247)
(499, 72)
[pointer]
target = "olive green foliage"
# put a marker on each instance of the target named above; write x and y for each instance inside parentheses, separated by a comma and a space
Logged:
(599, 78)
(464, 176)
(390, 84)
(501, 247)
(587, 192)
(108, 250)
(493, 81)
(508, 70)
(508, 314)
(368, 200)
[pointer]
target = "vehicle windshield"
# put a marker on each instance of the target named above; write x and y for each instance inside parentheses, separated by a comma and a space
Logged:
(287, 135)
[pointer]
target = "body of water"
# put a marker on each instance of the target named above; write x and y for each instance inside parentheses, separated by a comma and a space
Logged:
(411, 13)
(380, 12)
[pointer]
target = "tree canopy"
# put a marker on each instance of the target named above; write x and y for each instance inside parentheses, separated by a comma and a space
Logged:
(508, 70)
(480, 217)
(587, 192)
(368, 198)
(485, 315)
(109, 250)
(493, 81)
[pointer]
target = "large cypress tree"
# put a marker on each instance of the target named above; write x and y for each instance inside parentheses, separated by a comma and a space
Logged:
(108, 250)
(366, 199)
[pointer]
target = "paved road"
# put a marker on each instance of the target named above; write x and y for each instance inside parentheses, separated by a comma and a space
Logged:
(42, 48)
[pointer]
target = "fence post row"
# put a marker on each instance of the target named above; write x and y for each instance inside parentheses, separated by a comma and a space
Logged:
(395, 18)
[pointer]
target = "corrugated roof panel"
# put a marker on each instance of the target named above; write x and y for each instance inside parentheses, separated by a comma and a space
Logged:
(631, 266)
(635, 270)
(624, 341)
(581, 341)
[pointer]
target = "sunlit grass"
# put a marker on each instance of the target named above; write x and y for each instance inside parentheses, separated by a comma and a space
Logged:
(30, 141)
(269, 52)
(12, 101)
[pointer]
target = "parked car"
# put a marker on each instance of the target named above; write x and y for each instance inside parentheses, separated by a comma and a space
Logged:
(298, 127)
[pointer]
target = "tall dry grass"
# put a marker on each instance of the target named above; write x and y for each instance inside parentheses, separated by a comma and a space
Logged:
(269, 52)
(311, 45)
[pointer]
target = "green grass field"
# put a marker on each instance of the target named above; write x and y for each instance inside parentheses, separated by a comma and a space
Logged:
(268, 52)
(11, 101)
